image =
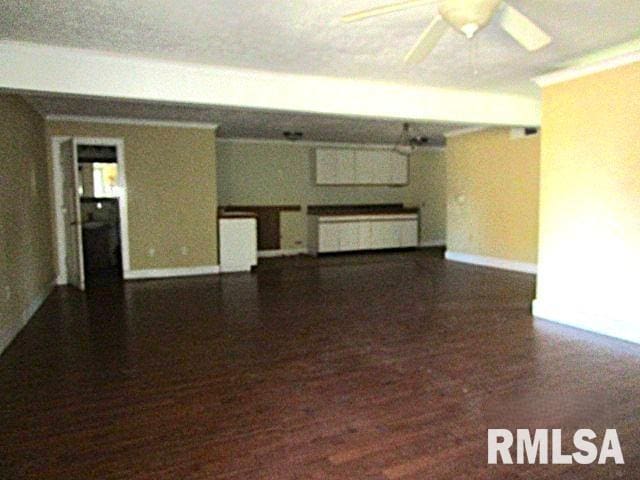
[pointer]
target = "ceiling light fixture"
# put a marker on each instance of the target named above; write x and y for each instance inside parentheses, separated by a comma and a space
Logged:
(404, 145)
(292, 136)
(407, 142)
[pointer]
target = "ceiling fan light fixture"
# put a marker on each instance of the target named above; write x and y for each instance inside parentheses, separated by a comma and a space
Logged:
(408, 143)
(470, 29)
(465, 16)
(420, 141)
(292, 136)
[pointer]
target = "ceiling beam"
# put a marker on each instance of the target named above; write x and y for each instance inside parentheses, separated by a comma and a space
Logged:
(27, 67)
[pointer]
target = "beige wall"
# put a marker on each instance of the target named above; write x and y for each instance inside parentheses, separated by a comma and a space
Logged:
(282, 174)
(26, 261)
(590, 202)
(171, 188)
(492, 195)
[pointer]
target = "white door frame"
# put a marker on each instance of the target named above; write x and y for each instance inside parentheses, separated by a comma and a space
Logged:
(58, 200)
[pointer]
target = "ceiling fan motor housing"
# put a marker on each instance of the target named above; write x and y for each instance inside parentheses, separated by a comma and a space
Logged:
(468, 16)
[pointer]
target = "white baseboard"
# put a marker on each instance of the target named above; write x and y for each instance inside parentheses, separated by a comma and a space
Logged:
(491, 262)
(235, 268)
(432, 243)
(281, 253)
(171, 272)
(9, 332)
(604, 324)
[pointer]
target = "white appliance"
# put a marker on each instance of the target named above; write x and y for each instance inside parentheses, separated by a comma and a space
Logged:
(238, 234)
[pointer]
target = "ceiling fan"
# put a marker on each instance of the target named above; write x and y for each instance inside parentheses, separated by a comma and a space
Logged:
(465, 16)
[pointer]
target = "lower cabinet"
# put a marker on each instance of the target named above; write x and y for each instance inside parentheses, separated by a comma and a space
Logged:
(329, 237)
(362, 232)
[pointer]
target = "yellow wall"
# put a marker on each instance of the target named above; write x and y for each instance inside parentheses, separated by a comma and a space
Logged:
(492, 195)
(171, 188)
(282, 174)
(590, 202)
(26, 261)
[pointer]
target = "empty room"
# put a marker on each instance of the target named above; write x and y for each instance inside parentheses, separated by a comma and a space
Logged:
(319, 240)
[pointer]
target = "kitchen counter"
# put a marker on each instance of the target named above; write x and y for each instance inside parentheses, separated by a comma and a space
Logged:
(268, 217)
(351, 210)
(231, 214)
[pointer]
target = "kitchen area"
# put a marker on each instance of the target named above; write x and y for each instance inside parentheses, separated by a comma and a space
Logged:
(322, 200)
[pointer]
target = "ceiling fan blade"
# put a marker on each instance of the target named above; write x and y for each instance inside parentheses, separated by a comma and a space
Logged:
(523, 30)
(427, 41)
(394, 7)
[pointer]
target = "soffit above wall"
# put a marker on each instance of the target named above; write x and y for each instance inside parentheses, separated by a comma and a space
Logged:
(243, 123)
(37, 68)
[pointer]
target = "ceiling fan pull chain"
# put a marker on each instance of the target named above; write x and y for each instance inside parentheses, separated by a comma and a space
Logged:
(471, 59)
(476, 50)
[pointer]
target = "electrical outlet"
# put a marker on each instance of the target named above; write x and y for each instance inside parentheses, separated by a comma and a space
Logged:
(184, 250)
(152, 252)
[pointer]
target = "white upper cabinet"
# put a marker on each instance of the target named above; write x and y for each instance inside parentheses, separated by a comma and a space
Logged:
(335, 166)
(346, 167)
(360, 167)
(398, 169)
(372, 166)
(326, 167)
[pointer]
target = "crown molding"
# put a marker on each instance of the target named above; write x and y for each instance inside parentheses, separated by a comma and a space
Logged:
(579, 71)
(130, 121)
(316, 144)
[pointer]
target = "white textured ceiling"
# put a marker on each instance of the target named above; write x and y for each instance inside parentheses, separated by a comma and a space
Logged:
(245, 123)
(306, 36)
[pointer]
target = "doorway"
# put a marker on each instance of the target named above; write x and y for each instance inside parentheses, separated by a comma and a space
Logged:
(92, 215)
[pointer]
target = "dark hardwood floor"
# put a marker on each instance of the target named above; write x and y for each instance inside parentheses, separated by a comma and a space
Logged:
(375, 366)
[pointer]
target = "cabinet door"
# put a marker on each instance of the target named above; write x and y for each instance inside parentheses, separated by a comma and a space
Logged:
(328, 237)
(364, 235)
(409, 233)
(371, 166)
(393, 234)
(349, 236)
(346, 167)
(398, 169)
(379, 234)
(326, 166)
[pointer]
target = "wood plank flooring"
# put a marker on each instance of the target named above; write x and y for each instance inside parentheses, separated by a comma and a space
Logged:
(374, 366)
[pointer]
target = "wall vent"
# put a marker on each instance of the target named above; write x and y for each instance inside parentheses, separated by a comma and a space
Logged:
(523, 132)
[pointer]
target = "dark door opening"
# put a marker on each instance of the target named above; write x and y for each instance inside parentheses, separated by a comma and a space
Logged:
(100, 212)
